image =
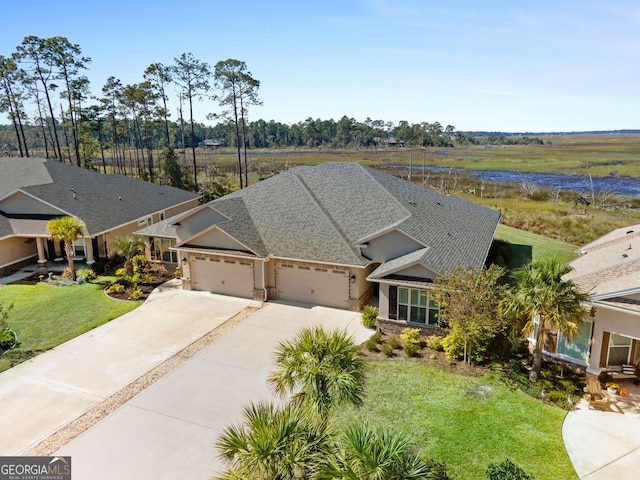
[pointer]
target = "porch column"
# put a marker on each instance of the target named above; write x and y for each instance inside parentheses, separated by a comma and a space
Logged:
(88, 248)
(41, 256)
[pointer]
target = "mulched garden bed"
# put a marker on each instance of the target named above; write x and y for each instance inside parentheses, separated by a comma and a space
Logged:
(160, 275)
(425, 355)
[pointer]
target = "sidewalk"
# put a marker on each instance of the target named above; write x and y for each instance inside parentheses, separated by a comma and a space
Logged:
(43, 394)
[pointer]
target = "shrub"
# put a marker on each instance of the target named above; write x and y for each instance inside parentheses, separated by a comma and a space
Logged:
(371, 345)
(377, 337)
(395, 343)
(7, 340)
(453, 346)
(146, 278)
(85, 274)
(435, 342)
(387, 349)
(121, 272)
(410, 335)
(411, 349)
(369, 316)
(506, 470)
(139, 263)
(115, 288)
(411, 339)
(177, 273)
(136, 294)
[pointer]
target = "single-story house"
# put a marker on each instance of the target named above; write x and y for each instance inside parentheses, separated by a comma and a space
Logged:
(36, 190)
(608, 270)
(333, 235)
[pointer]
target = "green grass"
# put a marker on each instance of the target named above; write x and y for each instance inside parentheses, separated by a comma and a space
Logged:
(44, 316)
(527, 246)
(447, 423)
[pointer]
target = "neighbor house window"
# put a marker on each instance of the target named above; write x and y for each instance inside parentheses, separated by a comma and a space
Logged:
(577, 348)
(619, 348)
(78, 248)
(415, 306)
(162, 250)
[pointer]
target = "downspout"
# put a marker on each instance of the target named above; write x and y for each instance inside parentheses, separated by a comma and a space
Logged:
(264, 282)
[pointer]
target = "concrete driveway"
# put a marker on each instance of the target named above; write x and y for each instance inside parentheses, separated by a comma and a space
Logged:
(168, 431)
(45, 393)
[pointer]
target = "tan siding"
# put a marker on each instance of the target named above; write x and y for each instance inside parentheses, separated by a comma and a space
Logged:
(15, 249)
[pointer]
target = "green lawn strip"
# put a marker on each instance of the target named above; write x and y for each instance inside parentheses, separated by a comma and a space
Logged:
(540, 247)
(447, 423)
(44, 316)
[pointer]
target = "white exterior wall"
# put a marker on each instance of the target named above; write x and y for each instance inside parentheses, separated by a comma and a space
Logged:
(613, 321)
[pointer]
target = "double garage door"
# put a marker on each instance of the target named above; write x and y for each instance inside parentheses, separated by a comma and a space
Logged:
(228, 276)
(316, 285)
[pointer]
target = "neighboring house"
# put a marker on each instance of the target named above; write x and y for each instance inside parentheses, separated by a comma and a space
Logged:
(332, 235)
(35, 190)
(608, 270)
(208, 143)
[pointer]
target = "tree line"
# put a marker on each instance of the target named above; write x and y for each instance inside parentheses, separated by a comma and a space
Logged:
(47, 97)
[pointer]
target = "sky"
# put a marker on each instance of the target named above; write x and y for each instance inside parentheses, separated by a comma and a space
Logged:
(510, 66)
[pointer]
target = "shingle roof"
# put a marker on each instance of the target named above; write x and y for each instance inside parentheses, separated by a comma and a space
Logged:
(321, 214)
(102, 202)
(610, 264)
(399, 263)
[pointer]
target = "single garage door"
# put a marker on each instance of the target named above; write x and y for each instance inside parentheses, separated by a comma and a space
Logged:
(317, 285)
(228, 276)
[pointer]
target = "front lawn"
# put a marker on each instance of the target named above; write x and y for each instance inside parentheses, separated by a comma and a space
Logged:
(468, 422)
(44, 316)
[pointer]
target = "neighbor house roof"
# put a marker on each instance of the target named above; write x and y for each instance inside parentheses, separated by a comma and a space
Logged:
(609, 265)
(102, 202)
(324, 213)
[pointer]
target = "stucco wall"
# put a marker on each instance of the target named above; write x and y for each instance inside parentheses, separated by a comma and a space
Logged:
(21, 203)
(14, 249)
(613, 321)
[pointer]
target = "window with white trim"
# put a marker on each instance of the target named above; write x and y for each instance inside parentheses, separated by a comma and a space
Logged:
(619, 349)
(415, 306)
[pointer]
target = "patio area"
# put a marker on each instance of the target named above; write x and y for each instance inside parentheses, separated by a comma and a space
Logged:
(605, 444)
(35, 270)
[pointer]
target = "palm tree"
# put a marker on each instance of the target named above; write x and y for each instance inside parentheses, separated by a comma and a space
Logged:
(363, 453)
(541, 292)
(273, 443)
(66, 229)
(320, 369)
(128, 246)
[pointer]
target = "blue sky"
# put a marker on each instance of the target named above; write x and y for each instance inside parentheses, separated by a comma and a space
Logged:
(494, 65)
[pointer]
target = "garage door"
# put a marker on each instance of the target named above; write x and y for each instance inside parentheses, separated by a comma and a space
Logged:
(229, 276)
(316, 285)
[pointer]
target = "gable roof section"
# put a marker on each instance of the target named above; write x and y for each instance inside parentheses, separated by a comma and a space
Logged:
(609, 265)
(102, 202)
(320, 214)
(398, 264)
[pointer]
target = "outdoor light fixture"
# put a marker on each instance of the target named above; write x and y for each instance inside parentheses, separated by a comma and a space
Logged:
(352, 278)
(184, 260)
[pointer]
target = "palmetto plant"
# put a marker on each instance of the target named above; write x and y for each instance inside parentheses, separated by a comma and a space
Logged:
(128, 246)
(364, 453)
(66, 229)
(275, 443)
(542, 292)
(320, 369)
